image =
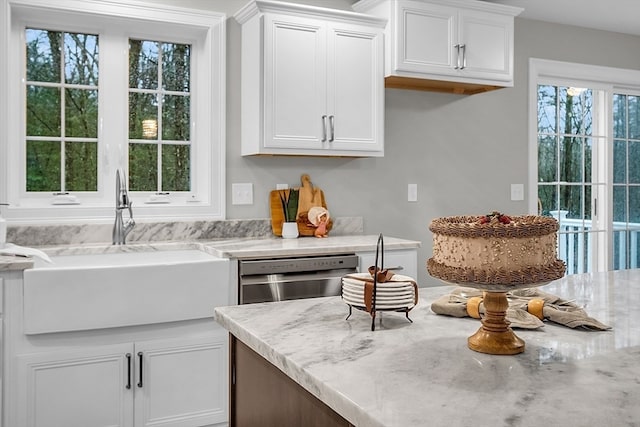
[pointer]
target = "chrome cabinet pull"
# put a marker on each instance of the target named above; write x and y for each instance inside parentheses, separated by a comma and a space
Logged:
(457, 67)
(464, 56)
(140, 367)
(324, 128)
(332, 129)
(128, 386)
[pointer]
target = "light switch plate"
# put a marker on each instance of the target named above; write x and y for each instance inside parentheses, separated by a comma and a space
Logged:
(517, 192)
(242, 194)
(412, 193)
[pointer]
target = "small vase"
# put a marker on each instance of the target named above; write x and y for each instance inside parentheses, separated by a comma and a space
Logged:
(289, 230)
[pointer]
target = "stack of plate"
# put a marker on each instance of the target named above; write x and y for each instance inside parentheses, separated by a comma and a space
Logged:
(396, 294)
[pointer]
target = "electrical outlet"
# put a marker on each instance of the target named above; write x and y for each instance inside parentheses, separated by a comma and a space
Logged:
(242, 194)
(282, 186)
(412, 193)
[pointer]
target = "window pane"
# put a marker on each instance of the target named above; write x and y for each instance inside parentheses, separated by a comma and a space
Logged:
(587, 202)
(634, 162)
(176, 64)
(564, 112)
(143, 167)
(619, 116)
(43, 111)
(583, 111)
(571, 159)
(43, 166)
(547, 197)
(142, 106)
(619, 162)
(619, 203)
(547, 159)
(81, 59)
(175, 168)
(81, 113)
(634, 204)
(571, 200)
(175, 118)
(81, 166)
(546, 109)
(143, 64)
(43, 55)
(588, 157)
(634, 117)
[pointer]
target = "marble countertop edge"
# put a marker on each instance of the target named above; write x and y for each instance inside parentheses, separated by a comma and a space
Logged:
(225, 248)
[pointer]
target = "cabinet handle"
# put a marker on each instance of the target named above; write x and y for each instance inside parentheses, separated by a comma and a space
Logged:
(332, 128)
(140, 369)
(324, 128)
(464, 56)
(128, 355)
(457, 67)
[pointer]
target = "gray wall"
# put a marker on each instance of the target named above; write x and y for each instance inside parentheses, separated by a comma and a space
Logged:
(462, 151)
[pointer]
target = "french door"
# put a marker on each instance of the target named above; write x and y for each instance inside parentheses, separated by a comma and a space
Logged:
(588, 174)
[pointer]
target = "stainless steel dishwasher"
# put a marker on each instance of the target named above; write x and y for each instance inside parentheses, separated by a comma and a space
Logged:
(280, 279)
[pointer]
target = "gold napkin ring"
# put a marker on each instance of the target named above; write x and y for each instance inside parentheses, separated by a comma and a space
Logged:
(534, 306)
(473, 307)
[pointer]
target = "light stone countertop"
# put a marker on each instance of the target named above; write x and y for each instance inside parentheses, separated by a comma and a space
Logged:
(228, 248)
(423, 374)
(260, 248)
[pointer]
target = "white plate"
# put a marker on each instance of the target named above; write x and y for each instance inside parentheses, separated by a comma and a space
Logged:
(397, 301)
(381, 291)
(380, 296)
(382, 306)
(384, 285)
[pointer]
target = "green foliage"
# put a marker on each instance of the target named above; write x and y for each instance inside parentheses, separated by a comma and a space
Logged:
(289, 199)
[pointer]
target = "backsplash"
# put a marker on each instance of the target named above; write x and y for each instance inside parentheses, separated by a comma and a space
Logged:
(71, 234)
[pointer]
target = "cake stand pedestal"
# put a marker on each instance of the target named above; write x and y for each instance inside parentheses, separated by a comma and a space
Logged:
(495, 336)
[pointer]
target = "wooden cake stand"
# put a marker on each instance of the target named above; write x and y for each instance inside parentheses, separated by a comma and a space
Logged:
(495, 336)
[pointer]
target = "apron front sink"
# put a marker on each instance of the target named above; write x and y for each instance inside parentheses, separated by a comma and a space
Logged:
(81, 292)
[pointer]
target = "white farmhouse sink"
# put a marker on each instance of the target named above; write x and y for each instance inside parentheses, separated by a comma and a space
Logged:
(80, 292)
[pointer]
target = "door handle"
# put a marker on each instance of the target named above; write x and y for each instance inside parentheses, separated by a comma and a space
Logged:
(457, 67)
(128, 386)
(324, 128)
(140, 358)
(464, 56)
(331, 118)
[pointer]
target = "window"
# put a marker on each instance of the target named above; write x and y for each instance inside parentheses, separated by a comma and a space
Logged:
(61, 111)
(78, 109)
(159, 110)
(585, 152)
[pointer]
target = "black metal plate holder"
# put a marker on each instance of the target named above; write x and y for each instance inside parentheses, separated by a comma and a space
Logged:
(379, 255)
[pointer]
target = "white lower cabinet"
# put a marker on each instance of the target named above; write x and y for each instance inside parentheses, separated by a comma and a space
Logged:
(168, 382)
(406, 259)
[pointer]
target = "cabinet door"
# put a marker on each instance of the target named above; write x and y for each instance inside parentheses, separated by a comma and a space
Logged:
(181, 382)
(355, 104)
(295, 82)
(78, 388)
(487, 40)
(405, 258)
(426, 38)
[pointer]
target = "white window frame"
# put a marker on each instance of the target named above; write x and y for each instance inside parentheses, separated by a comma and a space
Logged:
(601, 78)
(205, 31)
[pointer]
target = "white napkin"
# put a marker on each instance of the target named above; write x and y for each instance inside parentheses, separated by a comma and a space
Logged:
(11, 249)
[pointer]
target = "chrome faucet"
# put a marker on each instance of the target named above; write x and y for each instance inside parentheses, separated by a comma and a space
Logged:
(121, 229)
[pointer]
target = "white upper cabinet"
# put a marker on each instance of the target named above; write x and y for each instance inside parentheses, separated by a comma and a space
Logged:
(450, 46)
(312, 81)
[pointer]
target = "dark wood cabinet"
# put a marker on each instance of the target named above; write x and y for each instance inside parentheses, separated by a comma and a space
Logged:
(261, 395)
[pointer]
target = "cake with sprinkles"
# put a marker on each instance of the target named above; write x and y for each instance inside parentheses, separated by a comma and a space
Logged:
(495, 249)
